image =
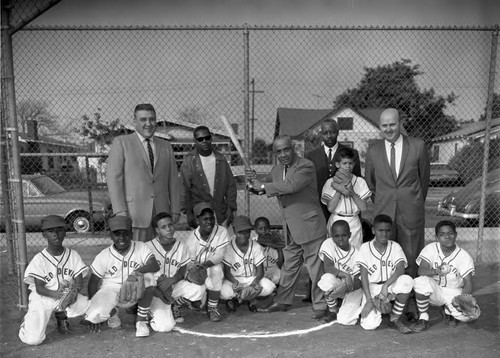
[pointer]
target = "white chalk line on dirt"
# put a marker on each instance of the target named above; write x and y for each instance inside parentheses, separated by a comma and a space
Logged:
(256, 334)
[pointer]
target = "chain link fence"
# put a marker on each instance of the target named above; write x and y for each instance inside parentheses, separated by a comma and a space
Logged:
(76, 89)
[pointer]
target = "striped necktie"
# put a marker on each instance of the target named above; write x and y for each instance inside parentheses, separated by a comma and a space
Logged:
(151, 155)
(393, 161)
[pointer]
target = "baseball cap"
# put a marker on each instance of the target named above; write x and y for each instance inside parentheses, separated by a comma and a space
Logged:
(242, 223)
(52, 221)
(198, 208)
(120, 223)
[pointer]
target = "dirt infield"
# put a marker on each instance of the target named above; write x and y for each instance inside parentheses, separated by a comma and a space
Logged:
(287, 334)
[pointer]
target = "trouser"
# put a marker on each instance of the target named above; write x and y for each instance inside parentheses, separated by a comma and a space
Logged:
(411, 241)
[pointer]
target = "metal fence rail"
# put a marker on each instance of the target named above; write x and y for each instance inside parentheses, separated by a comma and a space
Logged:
(76, 89)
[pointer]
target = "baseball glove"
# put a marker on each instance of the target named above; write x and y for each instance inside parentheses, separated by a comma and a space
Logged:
(164, 287)
(250, 292)
(196, 274)
(467, 305)
(271, 239)
(383, 304)
(68, 297)
(132, 290)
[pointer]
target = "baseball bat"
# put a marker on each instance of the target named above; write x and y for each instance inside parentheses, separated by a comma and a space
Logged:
(235, 141)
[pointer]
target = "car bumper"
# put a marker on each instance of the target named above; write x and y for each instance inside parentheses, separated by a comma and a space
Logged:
(451, 210)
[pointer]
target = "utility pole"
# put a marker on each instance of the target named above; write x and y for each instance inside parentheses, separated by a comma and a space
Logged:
(253, 91)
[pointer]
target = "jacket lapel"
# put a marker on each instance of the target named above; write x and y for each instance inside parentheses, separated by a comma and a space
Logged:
(141, 150)
(404, 155)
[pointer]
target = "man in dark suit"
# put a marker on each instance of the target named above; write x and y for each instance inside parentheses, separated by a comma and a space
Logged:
(142, 175)
(397, 172)
(304, 226)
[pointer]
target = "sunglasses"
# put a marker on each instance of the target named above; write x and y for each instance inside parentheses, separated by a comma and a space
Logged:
(208, 138)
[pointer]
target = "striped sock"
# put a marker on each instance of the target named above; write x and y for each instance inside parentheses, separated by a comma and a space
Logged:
(332, 305)
(423, 306)
(142, 313)
(213, 303)
(397, 310)
(182, 301)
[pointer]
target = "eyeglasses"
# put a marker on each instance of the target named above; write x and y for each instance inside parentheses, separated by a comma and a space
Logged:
(208, 138)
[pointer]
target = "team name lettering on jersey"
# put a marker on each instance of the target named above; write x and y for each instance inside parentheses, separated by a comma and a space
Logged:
(65, 271)
(48, 277)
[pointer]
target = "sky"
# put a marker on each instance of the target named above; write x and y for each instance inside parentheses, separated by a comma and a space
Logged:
(273, 12)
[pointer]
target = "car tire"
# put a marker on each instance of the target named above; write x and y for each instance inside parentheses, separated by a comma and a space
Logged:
(79, 222)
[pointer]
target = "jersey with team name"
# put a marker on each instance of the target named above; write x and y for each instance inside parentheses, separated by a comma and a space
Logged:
(243, 264)
(344, 261)
(346, 204)
(170, 262)
(380, 266)
(271, 258)
(54, 270)
(460, 261)
(113, 267)
(210, 250)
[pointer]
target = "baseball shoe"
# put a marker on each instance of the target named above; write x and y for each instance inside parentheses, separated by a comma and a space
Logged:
(318, 314)
(63, 326)
(450, 320)
(420, 326)
(214, 314)
(274, 307)
(400, 326)
(141, 329)
(230, 306)
(114, 321)
(177, 314)
(307, 299)
(329, 317)
(252, 305)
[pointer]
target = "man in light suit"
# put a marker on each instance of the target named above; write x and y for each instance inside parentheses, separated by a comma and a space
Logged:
(294, 185)
(399, 190)
(323, 157)
(142, 175)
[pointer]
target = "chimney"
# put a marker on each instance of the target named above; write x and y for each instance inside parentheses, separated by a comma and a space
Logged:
(32, 129)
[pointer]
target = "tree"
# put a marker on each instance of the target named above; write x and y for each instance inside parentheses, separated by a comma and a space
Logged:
(260, 152)
(36, 110)
(495, 108)
(193, 115)
(102, 132)
(395, 85)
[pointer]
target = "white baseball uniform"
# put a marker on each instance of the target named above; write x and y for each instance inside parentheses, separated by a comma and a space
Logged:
(271, 269)
(113, 269)
(442, 289)
(381, 267)
(52, 270)
(243, 266)
(344, 261)
(213, 249)
(346, 208)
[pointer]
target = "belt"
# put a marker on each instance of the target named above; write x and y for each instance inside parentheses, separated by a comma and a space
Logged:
(346, 215)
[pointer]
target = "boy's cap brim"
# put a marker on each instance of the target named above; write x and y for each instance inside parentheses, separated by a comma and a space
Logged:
(242, 223)
(200, 207)
(53, 221)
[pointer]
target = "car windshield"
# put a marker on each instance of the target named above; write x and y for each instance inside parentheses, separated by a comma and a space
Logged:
(47, 186)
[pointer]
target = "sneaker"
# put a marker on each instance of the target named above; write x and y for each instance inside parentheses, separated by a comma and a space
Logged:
(329, 317)
(420, 326)
(450, 320)
(114, 321)
(214, 314)
(230, 306)
(318, 314)
(63, 327)
(252, 305)
(141, 329)
(177, 314)
(400, 326)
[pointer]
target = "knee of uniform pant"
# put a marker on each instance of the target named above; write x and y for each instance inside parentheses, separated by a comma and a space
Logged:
(226, 291)
(404, 284)
(422, 286)
(96, 315)
(166, 325)
(371, 322)
(267, 287)
(28, 338)
(215, 278)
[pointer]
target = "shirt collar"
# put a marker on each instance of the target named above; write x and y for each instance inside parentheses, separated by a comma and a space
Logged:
(397, 143)
(327, 149)
(142, 139)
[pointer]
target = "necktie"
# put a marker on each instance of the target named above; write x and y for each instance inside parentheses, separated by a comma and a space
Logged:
(284, 172)
(151, 155)
(393, 161)
(330, 164)
(330, 155)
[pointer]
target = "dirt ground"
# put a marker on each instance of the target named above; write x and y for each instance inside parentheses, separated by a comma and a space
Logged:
(281, 334)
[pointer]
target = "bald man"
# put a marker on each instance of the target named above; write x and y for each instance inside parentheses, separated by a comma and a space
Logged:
(397, 172)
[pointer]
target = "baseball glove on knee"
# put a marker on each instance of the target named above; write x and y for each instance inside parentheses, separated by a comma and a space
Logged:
(250, 292)
(467, 305)
(164, 287)
(132, 290)
(69, 294)
(197, 274)
(382, 304)
(271, 239)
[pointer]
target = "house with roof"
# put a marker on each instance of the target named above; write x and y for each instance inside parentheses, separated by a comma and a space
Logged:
(446, 146)
(357, 127)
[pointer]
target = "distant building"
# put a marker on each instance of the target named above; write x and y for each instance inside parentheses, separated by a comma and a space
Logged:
(446, 146)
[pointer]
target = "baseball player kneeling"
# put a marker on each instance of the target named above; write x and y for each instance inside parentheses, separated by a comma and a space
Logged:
(120, 269)
(382, 264)
(206, 245)
(341, 279)
(55, 276)
(445, 279)
(244, 268)
(170, 291)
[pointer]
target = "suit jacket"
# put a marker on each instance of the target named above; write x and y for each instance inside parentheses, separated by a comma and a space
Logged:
(131, 185)
(298, 198)
(404, 197)
(320, 160)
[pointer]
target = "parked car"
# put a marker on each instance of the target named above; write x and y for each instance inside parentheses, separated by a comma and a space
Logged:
(464, 203)
(43, 196)
(443, 175)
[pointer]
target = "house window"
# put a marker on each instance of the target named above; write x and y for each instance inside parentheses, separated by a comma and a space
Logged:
(435, 153)
(345, 123)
